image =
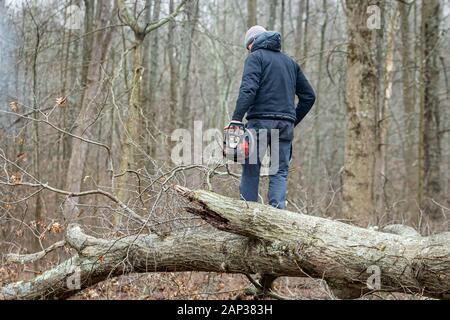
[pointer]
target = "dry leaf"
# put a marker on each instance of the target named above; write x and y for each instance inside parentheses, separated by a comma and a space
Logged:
(61, 102)
(22, 156)
(14, 106)
(19, 233)
(16, 178)
(55, 228)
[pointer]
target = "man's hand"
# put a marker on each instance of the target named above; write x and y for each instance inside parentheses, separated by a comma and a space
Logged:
(234, 123)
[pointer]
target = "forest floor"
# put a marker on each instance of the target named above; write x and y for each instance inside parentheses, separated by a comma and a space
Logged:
(182, 285)
(193, 286)
(189, 286)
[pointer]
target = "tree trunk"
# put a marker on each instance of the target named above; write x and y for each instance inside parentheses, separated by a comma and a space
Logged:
(130, 134)
(185, 61)
(152, 112)
(251, 13)
(383, 120)
(173, 100)
(282, 13)
(317, 168)
(430, 145)
(91, 96)
(299, 30)
(361, 98)
(409, 102)
(265, 240)
(272, 14)
(305, 36)
(36, 137)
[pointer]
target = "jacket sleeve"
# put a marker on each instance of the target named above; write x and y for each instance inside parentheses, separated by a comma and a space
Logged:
(249, 86)
(305, 94)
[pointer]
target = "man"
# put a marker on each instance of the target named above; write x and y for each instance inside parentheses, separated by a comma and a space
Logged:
(269, 84)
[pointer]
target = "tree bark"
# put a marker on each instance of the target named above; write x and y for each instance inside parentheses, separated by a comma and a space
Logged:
(192, 11)
(152, 108)
(316, 169)
(409, 102)
(173, 67)
(35, 133)
(264, 240)
(430, 153)
(251, 13)
(299, 30)
(383, 120)
(361, 96)
(282, 22)
(91, 96)
(272, 14)
(305, 36)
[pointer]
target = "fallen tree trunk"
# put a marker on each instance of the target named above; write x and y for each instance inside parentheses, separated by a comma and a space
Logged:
(256, 239)
(99, 259)
(340, 253)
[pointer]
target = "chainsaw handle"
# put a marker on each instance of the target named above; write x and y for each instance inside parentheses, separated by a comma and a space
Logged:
(234, 123)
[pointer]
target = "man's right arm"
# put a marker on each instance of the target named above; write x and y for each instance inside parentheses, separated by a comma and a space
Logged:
(305, 94)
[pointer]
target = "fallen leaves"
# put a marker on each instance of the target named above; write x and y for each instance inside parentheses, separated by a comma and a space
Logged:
(55, 228)
(22, 156)
(16, 178)
(19, 233)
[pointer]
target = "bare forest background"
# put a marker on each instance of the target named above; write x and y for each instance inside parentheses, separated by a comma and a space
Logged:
(87, 112)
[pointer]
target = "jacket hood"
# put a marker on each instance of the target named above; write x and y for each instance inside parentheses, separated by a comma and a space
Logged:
(270, 40)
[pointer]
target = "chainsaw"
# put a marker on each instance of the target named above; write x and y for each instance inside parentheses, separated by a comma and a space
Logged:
(238, 142)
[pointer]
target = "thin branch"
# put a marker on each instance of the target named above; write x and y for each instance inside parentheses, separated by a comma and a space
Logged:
(32, 257)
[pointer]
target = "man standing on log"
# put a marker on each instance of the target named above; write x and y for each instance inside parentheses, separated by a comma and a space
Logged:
(270, 81)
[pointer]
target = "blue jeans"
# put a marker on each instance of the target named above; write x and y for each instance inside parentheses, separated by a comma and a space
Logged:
(267, 132)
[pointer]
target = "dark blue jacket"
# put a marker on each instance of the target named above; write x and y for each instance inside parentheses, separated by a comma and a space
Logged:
(270, 82)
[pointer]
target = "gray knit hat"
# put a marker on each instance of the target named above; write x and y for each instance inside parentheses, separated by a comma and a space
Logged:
(252, 33)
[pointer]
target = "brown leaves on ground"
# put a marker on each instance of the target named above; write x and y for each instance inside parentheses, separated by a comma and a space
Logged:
(16, 178)
(21, 156)
(55, 228)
